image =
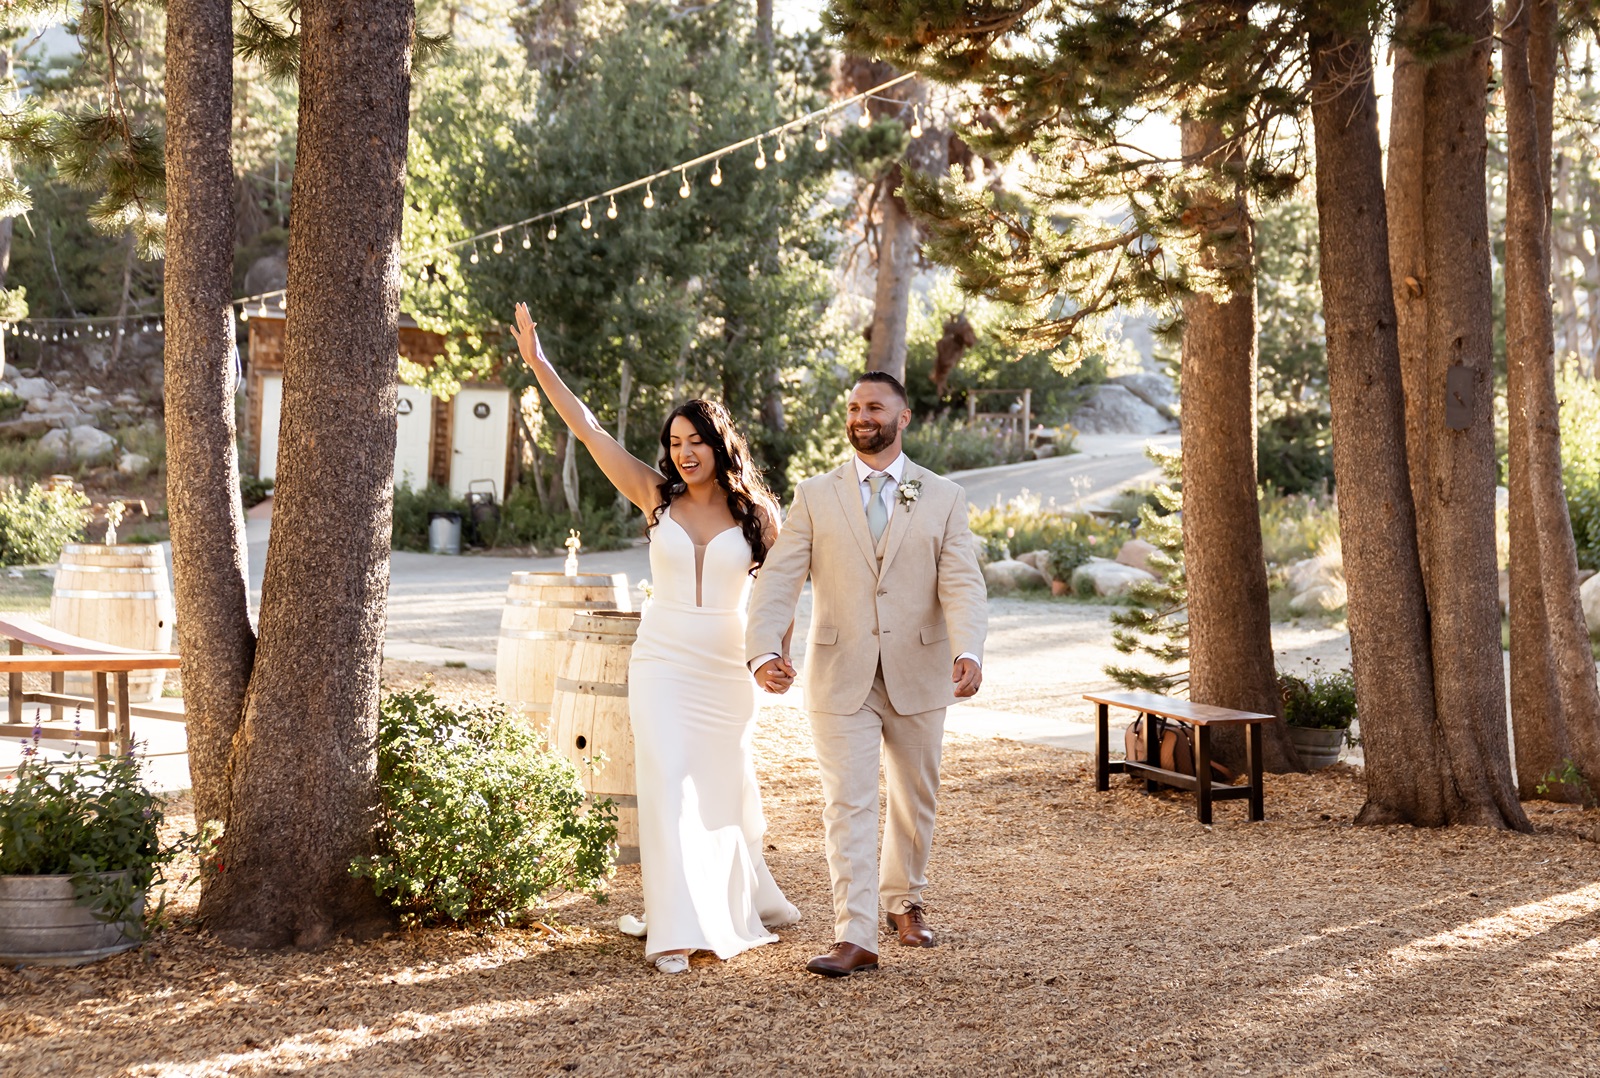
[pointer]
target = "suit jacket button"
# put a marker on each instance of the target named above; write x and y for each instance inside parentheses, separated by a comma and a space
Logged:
(874, 632)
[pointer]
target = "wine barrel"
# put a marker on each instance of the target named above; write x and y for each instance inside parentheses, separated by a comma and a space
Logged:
(533, 633)
(117, 595)
(589, 716)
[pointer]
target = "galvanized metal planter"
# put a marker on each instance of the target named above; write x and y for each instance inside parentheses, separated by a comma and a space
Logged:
(1317, 747)
(42, 925)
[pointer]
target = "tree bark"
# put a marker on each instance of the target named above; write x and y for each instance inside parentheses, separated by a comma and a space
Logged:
(304, 775)
(1230, 627)
(891, 301)
(1555, 705)
(210, 583)
(1390, 655)
(1457, 540)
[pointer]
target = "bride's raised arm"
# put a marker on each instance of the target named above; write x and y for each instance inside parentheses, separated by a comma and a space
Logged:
(637, 480)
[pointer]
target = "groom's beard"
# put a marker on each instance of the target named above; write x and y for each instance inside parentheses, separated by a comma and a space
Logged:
(871, 438)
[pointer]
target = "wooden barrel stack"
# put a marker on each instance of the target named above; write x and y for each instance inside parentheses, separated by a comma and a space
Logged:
(533, 633)
(118, 595)
(589, 716)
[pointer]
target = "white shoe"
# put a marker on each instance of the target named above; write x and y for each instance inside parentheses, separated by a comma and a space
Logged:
(629, 925)
(673, 963)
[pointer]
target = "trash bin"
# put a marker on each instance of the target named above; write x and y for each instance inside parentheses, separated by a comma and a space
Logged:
(444, 533)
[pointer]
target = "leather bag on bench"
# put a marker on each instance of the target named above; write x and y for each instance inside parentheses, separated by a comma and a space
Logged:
(1174, 746)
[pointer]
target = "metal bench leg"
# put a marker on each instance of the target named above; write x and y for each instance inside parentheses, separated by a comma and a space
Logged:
(1202, 772)
(1252, 755)
(1102, 726)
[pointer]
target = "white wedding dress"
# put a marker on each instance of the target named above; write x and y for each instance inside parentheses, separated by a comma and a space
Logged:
(692, 702)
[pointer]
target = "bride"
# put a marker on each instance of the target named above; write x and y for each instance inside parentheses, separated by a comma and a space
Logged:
(691, 699)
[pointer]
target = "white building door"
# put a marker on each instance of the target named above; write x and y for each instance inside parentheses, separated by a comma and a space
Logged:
(413, 436)
(481, 438)
(271, 416)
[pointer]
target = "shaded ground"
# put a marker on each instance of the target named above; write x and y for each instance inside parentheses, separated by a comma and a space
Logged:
(1080, 932)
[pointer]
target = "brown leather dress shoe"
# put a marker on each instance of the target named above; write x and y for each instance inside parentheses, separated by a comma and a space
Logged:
(842, 960)
(911, 927)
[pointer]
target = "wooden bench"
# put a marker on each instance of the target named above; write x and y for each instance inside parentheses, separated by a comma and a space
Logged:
(1201, 718)
(108, 666)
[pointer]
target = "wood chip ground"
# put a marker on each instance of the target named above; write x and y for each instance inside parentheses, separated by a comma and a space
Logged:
(1079, 933)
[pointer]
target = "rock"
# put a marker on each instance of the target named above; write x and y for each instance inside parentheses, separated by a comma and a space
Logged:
(1107, 578)
(1136, 552)
(1505, 592)
(40, 405)
(1038, 559)
(92, 443)
(1042, 451)
(133, 464)
(58, 441)
(1113, 409)
(93, 391)
(1156, 390)
(18, 430)
(30, 389)
(1319, 598)
(1315, 572)
(1590, 594)
(1008, 576)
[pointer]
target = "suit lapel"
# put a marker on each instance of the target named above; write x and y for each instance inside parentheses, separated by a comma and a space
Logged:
(855, 516)
(897, 527)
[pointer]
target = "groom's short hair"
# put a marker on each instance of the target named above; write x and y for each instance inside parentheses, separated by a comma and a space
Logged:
(884, 378)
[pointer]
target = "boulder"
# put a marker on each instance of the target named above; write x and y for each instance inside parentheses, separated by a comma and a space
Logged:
(1107, 578)
(1315, 572)
(23, 430)
(1319, 598)
(133, 464)
(92, 443)
(1008, 576)
(1136, 552)
(1038, 559)
(58, 441)
(1156, 390)
(1114, 409)
(1590, 594)
(32, 388)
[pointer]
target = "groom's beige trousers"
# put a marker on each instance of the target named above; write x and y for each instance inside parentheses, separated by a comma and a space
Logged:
(848, 750)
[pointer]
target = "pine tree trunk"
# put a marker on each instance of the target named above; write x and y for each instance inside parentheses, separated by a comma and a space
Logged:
(1388, 613)
(1555, 705)
(210, 585)
(1230, 627)
(891, 302)
(1459, 561)
(304, 775)
(1407, 266)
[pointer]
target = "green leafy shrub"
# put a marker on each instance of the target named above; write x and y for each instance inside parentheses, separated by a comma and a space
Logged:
(479, 821)
(1320, 701)
(87, 818)
(1026, 523)
(254, 491)
(1295, 452)
(944, 445)
(1067, 553)
(1296, 526)
(36, 523)
(11, 405)
(524, 522)
(412, 508)
(1580, 460)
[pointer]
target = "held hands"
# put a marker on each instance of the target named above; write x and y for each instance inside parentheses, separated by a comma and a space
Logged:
(775, 675)
(527, 335)
(968, 677)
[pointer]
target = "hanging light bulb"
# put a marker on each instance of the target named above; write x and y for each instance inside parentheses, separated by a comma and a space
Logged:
(865, 120)
(611, 210)
(822, 138)
(552, 233)
(780, 154)
(473, 257)
(526, 241)
(244, 314)
(159, 327)
(761, 156)
(716, 174)
(916, 121)
(261, 311)
(649, 197)
(587, 222)
(683, 192)
(283, 304)
(499, 246)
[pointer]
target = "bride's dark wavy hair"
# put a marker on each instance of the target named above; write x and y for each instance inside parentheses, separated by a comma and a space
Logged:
(736, 473)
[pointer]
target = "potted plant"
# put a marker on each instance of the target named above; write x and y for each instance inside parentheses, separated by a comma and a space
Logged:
(79, 849)
(1318, 709)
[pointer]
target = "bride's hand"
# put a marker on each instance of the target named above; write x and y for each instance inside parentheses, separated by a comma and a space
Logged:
(526, 332)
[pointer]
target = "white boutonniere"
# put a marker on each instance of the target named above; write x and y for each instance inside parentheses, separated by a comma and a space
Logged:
(910, 491)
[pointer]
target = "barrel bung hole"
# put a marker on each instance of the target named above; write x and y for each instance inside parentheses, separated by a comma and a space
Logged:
(583, 742)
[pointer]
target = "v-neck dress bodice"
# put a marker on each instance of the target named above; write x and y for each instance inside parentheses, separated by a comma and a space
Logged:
(692, 702)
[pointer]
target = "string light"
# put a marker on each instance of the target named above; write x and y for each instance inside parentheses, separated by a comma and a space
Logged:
(780, 155)
(611, 210)
(261, 311)
(473, 258)
(587, 222)
(716, 174)
(761, 156)
(822, 138)
(552, 233)
(683, 192)
(283, 304)
(865, 120)
(526, 241)
(916, 121)
(499, 246)
(244, 314)
(649, 197)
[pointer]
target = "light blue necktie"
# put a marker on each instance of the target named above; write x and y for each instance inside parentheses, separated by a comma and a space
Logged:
(877, 512)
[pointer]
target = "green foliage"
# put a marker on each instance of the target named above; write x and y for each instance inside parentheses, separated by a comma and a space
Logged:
(1157, 624)
(412, 512)
(253, 491)
(1569, 776)
(1580, 463)
(1294, 451)
(480, 823)
(1025, 523)
(11, 405)
(1319, 701)
(524, 522)
(36, 523)
(1296, 526)
(87, 818)
(945, 445)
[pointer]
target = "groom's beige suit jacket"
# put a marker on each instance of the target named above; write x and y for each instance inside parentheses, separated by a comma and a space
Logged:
(911, 602)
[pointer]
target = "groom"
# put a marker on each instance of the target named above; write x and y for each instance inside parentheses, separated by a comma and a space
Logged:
(897, 627)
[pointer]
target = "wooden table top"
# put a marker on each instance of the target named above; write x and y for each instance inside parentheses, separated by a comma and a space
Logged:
(1183, 710)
